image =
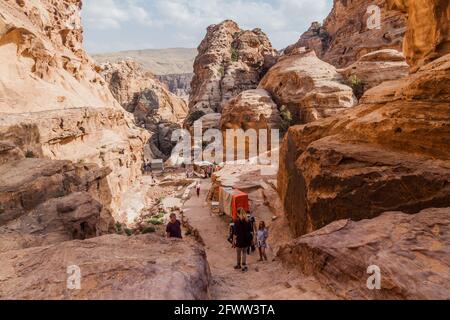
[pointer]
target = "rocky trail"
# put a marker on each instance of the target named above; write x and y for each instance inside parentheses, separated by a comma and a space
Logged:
(264, 280)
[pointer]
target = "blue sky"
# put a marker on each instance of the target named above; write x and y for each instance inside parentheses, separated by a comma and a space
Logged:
(115, 25)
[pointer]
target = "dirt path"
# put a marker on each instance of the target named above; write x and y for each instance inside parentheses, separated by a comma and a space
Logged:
(265, 280)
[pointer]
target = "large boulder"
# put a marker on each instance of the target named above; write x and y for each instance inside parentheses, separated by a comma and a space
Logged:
(76, 216)
(112, 267)
(251, 109)
(374, 68)
(311, 89)
(411, 251)
(229, 61)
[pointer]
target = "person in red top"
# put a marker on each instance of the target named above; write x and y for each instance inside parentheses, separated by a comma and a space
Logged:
(173, 229)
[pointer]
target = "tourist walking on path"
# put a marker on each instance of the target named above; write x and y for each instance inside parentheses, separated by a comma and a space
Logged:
(242, 240)
(261, 240)
(198, 189)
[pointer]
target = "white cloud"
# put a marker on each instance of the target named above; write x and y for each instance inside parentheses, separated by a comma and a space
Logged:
(177, 23)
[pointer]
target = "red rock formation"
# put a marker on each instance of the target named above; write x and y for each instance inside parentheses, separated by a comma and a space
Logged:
(345, 36)
(430, 38)
(251, 109)
(388, 154)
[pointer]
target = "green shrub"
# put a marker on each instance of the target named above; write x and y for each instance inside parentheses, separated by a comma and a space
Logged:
(286, 117)
(128, 232)
(149, 229)
(357, 85)
(156, 222)
(118, 227)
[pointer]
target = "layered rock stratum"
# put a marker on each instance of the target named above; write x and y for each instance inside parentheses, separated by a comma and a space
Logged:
(350, 31)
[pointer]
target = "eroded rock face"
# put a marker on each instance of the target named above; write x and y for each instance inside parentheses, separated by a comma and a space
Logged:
(100, 136)
(428, 36)
(251, 109)
(54, 103)
(412, 252)
(376, 67)
(143, 95)
(76, 216)
(112, 267)
(346, 35)
(154, 107)
(229, 61)
(310, 88)
(392, 151)
(389, 153)
(41, 44)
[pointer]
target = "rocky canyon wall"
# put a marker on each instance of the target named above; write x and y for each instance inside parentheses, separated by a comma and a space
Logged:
(154, 107)
(345, 35)
(53, 102)
(370, 187)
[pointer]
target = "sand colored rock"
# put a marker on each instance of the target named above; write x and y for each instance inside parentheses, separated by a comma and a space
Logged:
(154, 107)
(412, 252)
(229, 61)
(112, 267)
(100, 136)
(310, 88)
(76, 216)
(376, 67)
(428, 36)
(251, 109)
(346, 35)
(42, 63)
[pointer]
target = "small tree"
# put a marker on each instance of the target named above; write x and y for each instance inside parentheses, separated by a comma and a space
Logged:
(357, 85)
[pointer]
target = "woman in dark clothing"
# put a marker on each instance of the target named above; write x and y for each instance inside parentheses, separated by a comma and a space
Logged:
(242, 239)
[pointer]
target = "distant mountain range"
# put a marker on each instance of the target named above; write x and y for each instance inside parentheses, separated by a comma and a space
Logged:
(158, 61)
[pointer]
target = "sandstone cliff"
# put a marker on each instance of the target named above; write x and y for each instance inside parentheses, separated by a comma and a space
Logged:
(390, 153)
(153, 106)
(178, 84)
(345, 35)
(374, 68)
(54, 104)
(229, 61)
